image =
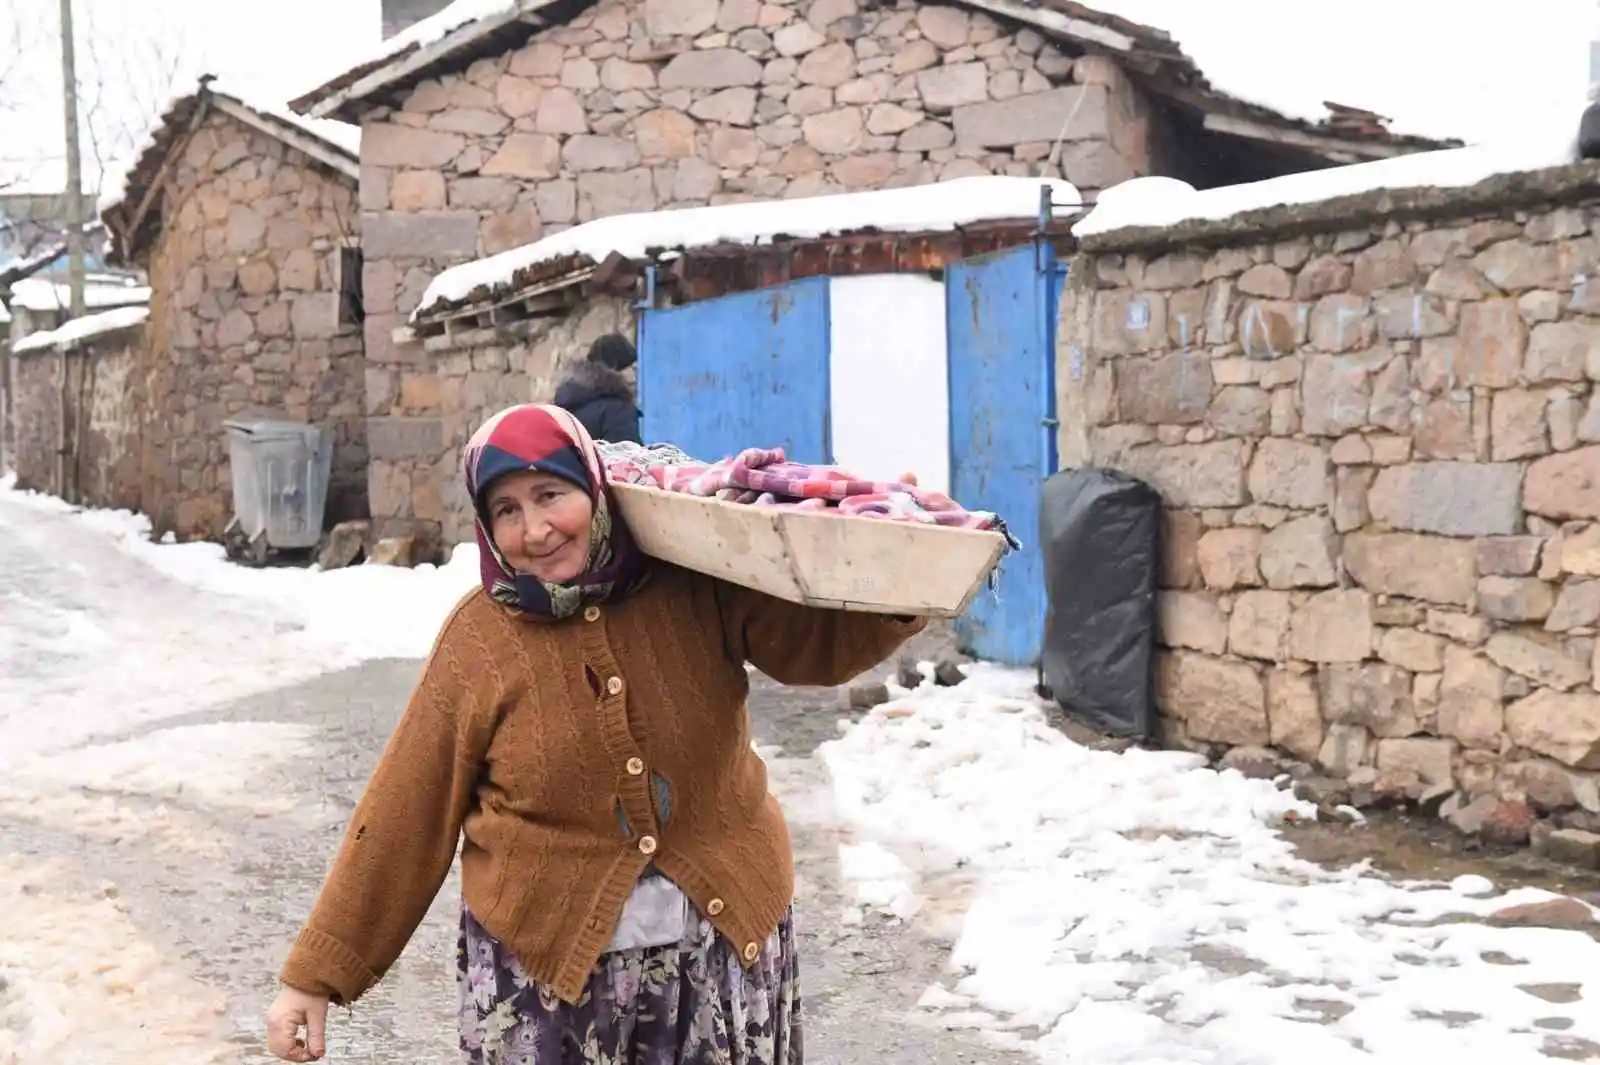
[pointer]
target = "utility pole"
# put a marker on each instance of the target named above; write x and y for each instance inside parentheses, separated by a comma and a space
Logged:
(69, 99)
(75, 278)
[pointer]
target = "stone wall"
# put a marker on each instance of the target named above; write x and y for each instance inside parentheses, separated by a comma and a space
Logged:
(432, 407)
(1380, 448)
(103, 408)
(244, 321)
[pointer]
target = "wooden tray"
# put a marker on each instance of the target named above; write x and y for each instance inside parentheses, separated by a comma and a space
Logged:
(827, 560)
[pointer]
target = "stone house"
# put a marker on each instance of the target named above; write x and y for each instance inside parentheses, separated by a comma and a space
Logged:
(484, 132)
(1375, 422)
(247, 223)
(80, 411)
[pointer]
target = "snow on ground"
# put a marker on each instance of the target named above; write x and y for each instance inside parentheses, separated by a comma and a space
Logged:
(1142, 908)
(122, 1000)
(144, 791)
(364, 611)
(219, 764)
(1162, 201)
(922, 208)
(106, 639)
(100, 653)
(104, 655)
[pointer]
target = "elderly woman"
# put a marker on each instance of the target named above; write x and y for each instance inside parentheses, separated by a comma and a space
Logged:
(580, 728)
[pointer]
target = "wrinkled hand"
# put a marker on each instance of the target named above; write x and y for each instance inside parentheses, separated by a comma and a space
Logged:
(291, 1011)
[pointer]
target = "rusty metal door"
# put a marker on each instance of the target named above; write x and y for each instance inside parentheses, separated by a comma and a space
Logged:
(747, 370)
(1000, 313)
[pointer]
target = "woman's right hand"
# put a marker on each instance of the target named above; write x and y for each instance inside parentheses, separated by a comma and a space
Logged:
(291, 1011)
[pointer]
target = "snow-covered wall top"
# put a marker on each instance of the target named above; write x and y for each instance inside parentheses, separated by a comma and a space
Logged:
(1153, 210)
(943, 206)
(44, 294)
(81, 329)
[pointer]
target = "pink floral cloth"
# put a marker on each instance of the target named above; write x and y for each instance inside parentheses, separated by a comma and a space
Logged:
(763, 477)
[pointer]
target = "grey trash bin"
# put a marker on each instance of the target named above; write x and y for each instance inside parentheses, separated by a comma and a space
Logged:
(280, 483)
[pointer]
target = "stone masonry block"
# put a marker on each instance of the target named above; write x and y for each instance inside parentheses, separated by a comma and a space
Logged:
(1450, 498)
(428, 235)
(1072, 113)
(394, 438)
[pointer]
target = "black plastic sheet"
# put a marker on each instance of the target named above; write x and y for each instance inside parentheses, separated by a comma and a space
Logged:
(1100, 531)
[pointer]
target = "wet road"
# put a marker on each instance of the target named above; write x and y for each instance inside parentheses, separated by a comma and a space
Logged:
(227, 890)
(170, 805)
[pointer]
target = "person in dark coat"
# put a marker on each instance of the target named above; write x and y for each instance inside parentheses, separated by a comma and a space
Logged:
(599, 396)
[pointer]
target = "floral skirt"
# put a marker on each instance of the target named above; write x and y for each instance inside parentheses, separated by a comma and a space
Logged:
(689, 1004)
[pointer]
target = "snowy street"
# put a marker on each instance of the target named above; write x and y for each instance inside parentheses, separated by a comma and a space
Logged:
(181, 742)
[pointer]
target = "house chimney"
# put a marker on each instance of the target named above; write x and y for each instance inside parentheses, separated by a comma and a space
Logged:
(399, 14)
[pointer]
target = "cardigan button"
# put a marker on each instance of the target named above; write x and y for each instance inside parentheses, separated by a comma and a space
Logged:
(635, 766)
(614, 685)
(647, 844)
(591, 613)
(752, 951)
(715, 907)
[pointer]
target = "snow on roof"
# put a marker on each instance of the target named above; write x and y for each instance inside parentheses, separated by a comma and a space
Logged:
(409, 51)
(436, 26)
(43, 294)
(5, 313)
(1433, 76)
(85, 328)
(341, 135)
(945, 205)
(1159, 201)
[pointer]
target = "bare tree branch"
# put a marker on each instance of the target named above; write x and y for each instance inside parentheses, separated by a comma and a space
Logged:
(18, 39)
(125, 81)
(134, 80)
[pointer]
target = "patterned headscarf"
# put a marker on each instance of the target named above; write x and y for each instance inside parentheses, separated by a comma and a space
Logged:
(550, 440)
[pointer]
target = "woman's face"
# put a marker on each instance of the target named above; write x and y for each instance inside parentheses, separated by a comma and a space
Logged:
(540, 523)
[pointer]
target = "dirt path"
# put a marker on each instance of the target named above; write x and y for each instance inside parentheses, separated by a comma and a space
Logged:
(862, 981)
(1424, 848)
(201, 891)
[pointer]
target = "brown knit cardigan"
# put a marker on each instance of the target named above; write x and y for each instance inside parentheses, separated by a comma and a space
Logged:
(531, 743)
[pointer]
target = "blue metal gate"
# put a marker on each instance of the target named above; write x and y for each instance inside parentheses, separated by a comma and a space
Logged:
(747, 370)
(1000, 312)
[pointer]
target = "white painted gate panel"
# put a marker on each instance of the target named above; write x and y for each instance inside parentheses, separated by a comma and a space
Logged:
(889, 377)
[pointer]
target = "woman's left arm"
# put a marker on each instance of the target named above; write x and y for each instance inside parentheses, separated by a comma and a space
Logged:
(796, 644)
